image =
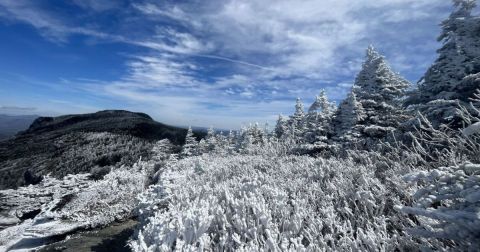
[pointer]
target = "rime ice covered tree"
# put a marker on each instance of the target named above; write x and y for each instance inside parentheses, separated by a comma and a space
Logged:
(190, 146)
(349, 115)
(374, 107)
(380, 91)
(454, 76)
(281, 128)
(318, 120)
(297, 120)
(231, 142)
(322, 104)
(211, 140)
(162, 149)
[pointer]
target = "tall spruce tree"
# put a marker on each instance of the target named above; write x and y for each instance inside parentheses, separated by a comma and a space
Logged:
(349, 115)
(381, 92)
(281, 127)
(211, 140)
(297, 120)
(318, 120)
(455, 74)
(190, 146)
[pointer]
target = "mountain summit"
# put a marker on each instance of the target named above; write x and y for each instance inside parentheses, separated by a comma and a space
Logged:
(73, 144)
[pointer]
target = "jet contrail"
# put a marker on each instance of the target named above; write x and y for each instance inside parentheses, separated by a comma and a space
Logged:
(233, 61)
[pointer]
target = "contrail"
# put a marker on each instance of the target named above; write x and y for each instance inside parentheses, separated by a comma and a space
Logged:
(233, 61)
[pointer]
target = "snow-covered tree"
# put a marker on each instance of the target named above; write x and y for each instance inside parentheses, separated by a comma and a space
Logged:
(190, 146)
(297, 120)
(211, 140)
(347, 118)
(380, 91)
(281, 127)
(162, 149)
(322, 104)
(444, 86)
(231, 142)
(318, 120)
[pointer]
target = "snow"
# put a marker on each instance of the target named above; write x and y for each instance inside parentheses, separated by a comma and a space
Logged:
(64, 206)
(457, 188)
(472, 129)
(258, 202)
(358, 189)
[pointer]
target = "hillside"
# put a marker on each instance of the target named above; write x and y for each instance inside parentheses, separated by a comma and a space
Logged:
(80, 143)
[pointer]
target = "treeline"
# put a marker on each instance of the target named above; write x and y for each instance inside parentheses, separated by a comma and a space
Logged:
(382, 106)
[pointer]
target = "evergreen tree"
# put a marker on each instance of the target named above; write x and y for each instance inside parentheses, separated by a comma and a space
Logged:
(281, 127)
(297, 120)
(245, 140)
(318, 120)
(162, 149)
(454, 76)
(222, 141)
(202, 147)
(191, 145)
(322, 104)
(347, 118)
(380, 91)
(211, 140)
(257, 134)
(231, 142)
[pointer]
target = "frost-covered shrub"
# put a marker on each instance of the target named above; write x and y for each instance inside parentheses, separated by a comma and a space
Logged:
(259, 202)
(449, 202)
(107, 200)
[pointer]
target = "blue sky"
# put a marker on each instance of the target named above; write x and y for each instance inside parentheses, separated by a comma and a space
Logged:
(220, 63)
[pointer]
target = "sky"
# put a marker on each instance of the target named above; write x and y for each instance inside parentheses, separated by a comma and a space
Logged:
(220, 63)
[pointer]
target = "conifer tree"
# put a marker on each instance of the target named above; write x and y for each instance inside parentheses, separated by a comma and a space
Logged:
(297, 120)
(211, 140)
(380, 91)
(318, 120)
(281, 127)
(162, 149)
(191, 145)
(454, 75)
(322, 104)
(348, 116)
(231, 142)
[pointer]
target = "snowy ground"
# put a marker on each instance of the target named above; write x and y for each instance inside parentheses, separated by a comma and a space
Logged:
(39, 214)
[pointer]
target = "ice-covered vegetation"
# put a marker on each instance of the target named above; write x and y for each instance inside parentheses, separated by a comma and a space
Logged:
(57, 207)
(256, 202)
(386, 170)
(370, 175)
(449, 198)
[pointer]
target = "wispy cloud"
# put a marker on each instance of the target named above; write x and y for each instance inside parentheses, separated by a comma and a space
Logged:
(16, 108)
(243, 59)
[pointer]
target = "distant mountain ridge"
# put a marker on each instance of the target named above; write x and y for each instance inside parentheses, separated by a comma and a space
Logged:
(79, 143)
(114, 121)
(12, 124)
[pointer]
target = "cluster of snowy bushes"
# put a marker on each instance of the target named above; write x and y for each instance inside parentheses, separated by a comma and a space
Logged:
(107, 200)
(449, 204)
(55, 207)
(257, 202)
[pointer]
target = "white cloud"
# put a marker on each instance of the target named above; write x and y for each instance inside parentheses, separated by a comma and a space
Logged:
(274, 50)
